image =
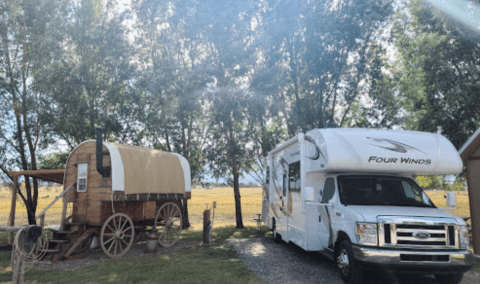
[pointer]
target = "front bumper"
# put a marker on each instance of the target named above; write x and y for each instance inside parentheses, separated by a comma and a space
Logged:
(415, 261)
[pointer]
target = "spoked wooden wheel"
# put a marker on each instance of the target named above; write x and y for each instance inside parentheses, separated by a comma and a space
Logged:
(117, 235)
(169, 223)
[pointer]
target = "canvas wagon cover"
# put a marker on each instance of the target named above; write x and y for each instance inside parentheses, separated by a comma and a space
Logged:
(149, 171)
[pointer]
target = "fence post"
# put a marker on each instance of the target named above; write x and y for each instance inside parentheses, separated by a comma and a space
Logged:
(206, 226)
(12, 208)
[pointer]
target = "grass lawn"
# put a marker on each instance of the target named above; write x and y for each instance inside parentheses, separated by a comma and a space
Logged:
(213, 264)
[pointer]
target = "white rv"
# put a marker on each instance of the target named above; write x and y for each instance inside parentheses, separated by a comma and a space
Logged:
(350, 194)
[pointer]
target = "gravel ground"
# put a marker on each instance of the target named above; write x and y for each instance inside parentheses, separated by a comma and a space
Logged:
(285, 263)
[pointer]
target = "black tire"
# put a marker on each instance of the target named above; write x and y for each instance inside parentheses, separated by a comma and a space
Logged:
(276, 236)
(453, 278)
(346, 265)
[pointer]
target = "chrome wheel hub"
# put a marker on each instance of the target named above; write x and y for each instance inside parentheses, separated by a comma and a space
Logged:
(343, 262)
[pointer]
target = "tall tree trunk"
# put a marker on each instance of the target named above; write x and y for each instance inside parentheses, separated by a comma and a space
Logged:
(31, 196)
(167, 138)
(238, 203)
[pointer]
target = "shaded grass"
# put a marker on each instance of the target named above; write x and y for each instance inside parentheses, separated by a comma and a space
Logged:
(3, 237)
(197, 265)
(206, 264)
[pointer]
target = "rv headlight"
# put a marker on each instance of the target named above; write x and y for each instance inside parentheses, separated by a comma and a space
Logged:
(464, 238)
(366, 234)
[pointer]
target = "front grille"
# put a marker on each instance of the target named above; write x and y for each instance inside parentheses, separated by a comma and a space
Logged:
(418, 232)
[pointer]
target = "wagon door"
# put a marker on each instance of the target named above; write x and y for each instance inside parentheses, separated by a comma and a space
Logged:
(81, 194)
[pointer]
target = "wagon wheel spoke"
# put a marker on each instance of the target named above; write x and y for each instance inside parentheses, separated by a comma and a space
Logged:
(108, 226)
(123, 226)
(111, 245)
(109, 240)
(123, 241)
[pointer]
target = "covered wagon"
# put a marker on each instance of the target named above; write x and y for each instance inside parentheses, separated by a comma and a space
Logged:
(119, 191)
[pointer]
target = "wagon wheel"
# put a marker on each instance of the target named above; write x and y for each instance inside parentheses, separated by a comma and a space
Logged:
(117, 235)
(169, 218)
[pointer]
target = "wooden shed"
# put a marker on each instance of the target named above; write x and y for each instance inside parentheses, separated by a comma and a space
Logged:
(470, 154)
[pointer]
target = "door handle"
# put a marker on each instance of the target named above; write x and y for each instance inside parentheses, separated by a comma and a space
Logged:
(339, 214)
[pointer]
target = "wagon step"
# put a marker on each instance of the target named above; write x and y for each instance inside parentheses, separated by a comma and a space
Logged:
(76, 223)
(51, 250)
(58, 241)
(63, 232)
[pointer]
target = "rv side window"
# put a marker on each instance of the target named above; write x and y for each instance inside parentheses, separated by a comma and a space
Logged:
(328, 190)
(82, 177)
(285, 183)
(267, 176)
(294, 176)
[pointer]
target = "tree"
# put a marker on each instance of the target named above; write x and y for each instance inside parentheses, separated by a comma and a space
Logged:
(167, 94)
(229, 152)
(27, 42)
(340, 44)
(53, 161)
(438, 79)
(429, 182)
(88, 82)
(227, 29)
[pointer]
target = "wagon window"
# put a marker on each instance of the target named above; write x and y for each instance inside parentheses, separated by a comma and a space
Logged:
(82, 177)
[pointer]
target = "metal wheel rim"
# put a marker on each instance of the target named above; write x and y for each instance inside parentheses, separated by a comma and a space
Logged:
(343, 262)
(117, 235)
(168, 223)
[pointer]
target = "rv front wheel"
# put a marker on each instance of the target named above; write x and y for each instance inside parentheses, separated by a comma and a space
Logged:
(346, 265)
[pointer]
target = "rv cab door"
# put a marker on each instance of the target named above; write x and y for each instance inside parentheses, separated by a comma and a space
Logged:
(326, 209)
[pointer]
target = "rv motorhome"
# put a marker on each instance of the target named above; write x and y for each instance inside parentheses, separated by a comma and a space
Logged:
(350, 194)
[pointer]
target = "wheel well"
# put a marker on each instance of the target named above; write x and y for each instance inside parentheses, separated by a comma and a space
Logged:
(342, 236)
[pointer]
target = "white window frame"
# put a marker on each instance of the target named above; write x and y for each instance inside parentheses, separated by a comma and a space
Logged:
(82, 174)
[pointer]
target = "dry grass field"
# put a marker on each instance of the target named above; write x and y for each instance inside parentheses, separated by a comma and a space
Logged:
(224, 213)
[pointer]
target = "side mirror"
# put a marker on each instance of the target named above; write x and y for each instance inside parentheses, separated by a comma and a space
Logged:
(451, 199)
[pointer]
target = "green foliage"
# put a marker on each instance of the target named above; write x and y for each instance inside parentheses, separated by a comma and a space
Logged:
(429, 182)
(438, 78)
(53, 161)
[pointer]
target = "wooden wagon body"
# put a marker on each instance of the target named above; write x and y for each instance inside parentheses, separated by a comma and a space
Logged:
(118, 192)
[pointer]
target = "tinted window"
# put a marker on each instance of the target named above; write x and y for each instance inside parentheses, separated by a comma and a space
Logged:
(379, 190)
(267, 176)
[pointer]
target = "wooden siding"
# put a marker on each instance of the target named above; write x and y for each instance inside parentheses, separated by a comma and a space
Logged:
(87, 206)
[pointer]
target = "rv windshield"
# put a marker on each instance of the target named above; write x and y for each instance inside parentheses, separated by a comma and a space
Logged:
(381, 190)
